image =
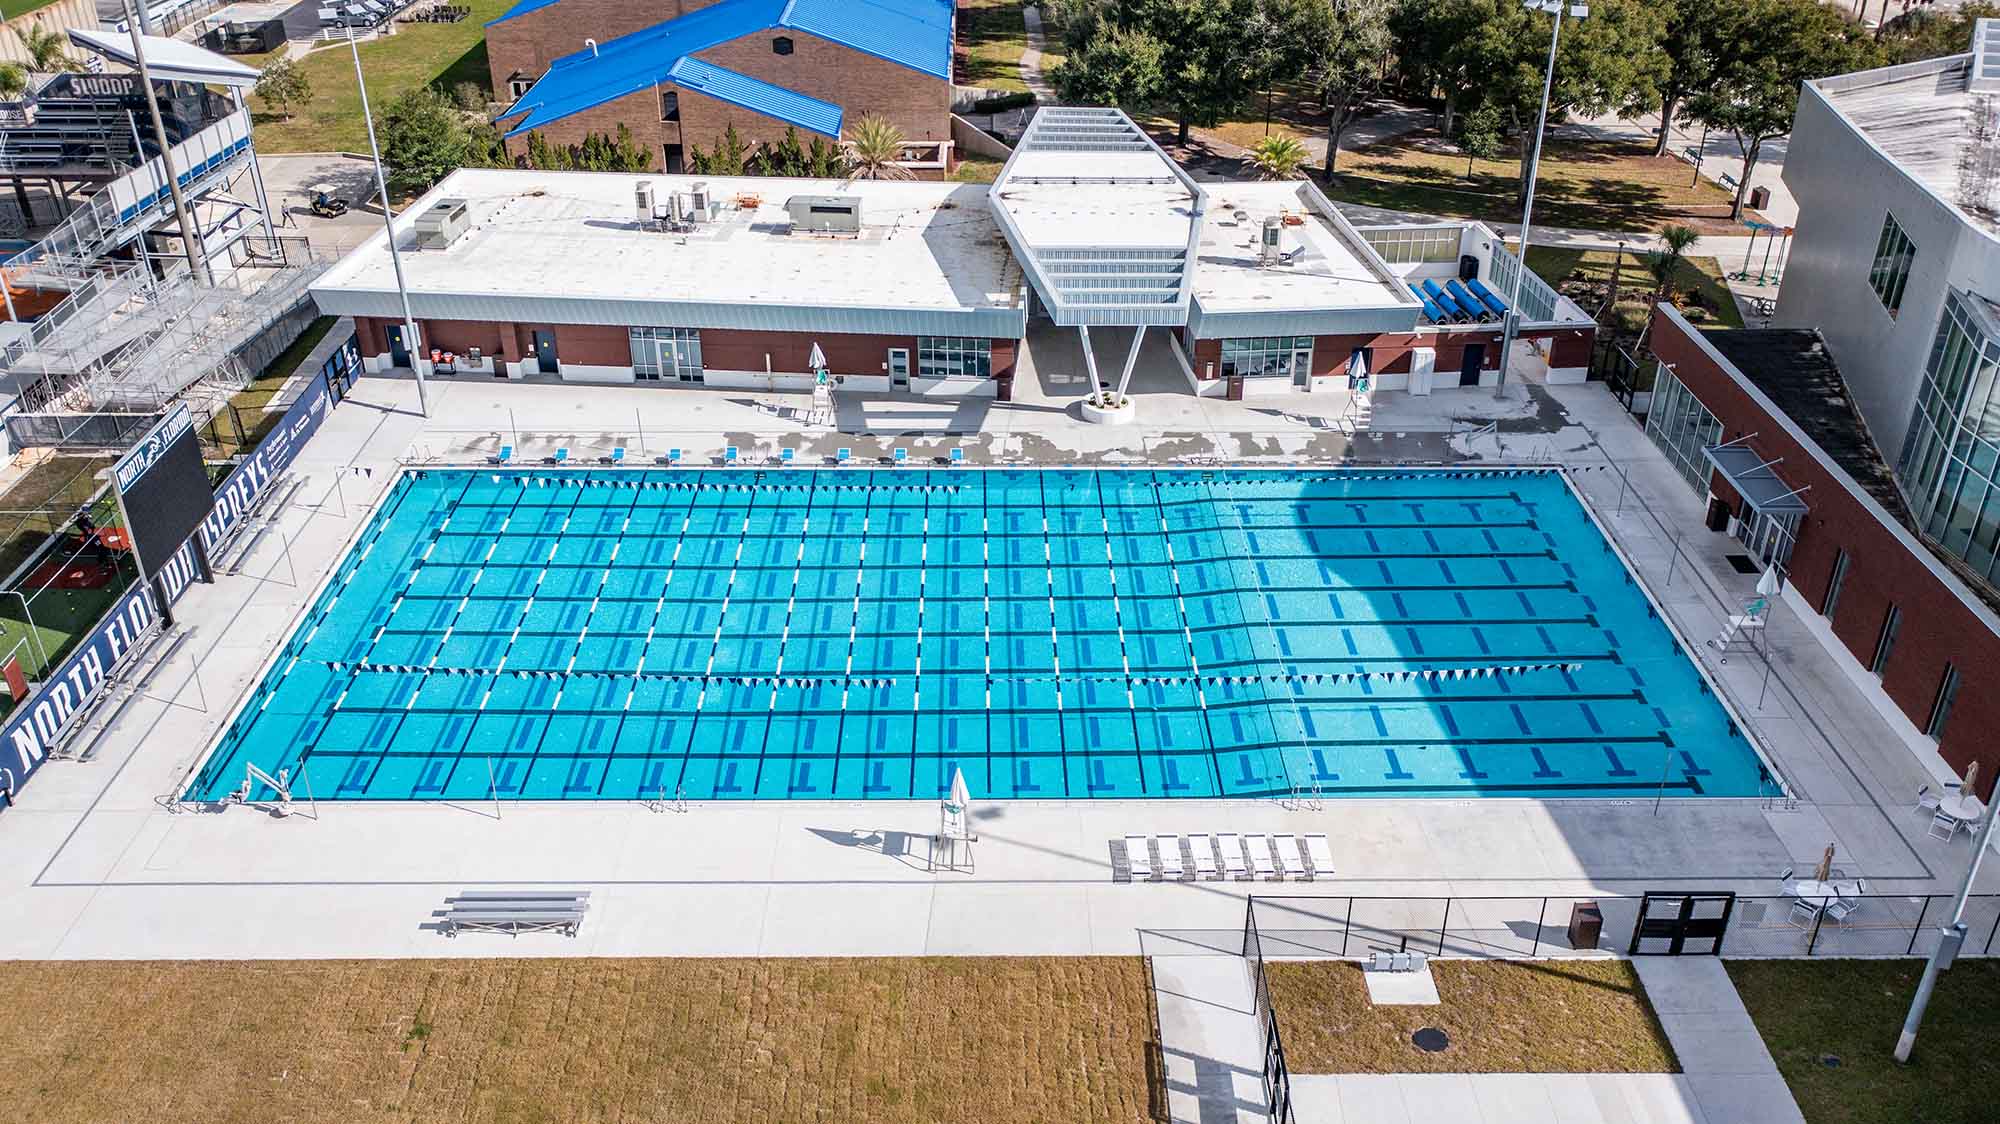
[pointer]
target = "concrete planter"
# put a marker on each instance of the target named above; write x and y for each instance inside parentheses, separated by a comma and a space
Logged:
(1098, 408)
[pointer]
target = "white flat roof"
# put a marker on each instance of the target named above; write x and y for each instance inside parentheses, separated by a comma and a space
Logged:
(1923, 117)
(541, 239)
(1332, 270)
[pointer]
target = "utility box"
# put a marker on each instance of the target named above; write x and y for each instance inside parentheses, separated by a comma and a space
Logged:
(825, 214)
(1586, 925)
(442, 222)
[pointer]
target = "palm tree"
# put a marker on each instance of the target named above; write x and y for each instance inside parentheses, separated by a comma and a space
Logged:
(48, 51)
(1665, 263)
(1278, 158)
(874, 151)
(13, 81)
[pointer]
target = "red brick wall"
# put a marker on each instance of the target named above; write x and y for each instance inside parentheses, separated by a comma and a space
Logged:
(860, 84)
(1936, 627)
(528, 44)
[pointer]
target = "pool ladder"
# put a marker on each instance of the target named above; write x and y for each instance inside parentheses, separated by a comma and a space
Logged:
(1309, 797)
(660, 803)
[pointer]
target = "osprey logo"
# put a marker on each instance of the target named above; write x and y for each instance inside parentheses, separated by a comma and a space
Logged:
(152, 447)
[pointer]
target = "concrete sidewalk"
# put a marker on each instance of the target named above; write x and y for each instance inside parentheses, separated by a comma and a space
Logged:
(1214, 1054)
(1727, 1065)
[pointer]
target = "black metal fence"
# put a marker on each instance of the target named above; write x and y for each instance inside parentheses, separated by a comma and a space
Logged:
(1771, 925)
(1277, 1077)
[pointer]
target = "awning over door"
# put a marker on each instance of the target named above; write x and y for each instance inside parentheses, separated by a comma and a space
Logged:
(1753, 479)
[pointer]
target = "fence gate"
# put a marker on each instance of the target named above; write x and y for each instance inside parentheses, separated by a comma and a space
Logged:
(1668, 920)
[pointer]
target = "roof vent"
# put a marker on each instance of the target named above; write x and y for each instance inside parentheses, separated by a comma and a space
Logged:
(442, 222)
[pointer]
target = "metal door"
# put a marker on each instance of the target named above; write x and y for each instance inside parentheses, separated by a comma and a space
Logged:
(899, 367)
(1471, 363)
(545, 352)
(399, 350)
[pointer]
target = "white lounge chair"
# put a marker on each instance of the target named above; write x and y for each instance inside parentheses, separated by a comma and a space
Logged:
(1320, 854)
(1203, 847)
(1170, 857)
(1139, 850)
(1292, 859)
(1259, 846)
(1233, 865)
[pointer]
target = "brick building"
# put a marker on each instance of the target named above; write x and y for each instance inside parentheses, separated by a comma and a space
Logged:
(569, 276)
(680, 73)
(1761, 423)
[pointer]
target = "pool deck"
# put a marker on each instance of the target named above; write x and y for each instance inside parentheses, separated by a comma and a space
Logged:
(93, 865)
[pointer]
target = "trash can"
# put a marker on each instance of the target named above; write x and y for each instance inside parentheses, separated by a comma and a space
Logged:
(1586, 925)
(1760, 198)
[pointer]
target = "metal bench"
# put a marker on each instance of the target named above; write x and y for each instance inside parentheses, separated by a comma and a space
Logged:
(516, 911)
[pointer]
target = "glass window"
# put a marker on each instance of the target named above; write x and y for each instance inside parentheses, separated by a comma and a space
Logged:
(1681, 426)
(666, 353)
(1947, 468)
(1891, 271)
(954, 357)
(1267, 356)
(1947, 693)
(1885, 643)
(670, 105)
(1832, 603)
(782, 45)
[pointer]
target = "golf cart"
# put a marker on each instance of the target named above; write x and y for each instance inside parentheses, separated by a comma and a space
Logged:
(325, 203)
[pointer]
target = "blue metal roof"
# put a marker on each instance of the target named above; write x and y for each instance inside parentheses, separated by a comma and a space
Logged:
(754, 94)
(522, 8)
(912, 33)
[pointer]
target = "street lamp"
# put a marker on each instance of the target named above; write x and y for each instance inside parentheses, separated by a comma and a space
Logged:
(1512, 321)
(389, 224)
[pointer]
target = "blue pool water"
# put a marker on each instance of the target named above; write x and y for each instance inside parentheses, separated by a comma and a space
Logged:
(1055, 634)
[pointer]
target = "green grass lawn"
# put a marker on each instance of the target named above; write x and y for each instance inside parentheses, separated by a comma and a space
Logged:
(1832, 1023)
(11, 8)
(251, 404)
(1585, 184)
(991, 37)
(977, 169)
(441, 54)
(1585, 277)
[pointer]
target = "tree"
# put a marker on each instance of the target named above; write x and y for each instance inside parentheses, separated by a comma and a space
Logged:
(1494, 52)
(282, 83)
(424, 139)
(730, 157)
(47, 49)
(13, 80)
(1275, 43)
(875, 151)
(1688, 47)
(1278, 158)
(1195, 59)
(1665, 263)
(1925, 33)
(597, 152)
(1348, 48)
(1481, 137)
(1767, 50)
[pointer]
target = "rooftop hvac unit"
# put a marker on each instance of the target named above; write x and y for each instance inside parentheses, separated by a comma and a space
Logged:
(700, 202)
(831, 214)
(642, 200)
(442, 222)
(1268, 239)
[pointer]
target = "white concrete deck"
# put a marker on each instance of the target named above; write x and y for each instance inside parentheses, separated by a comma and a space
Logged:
(91, 864)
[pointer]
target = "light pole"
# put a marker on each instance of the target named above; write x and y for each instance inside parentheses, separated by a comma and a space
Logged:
(389, 225)
(1512, 321)
(197, 259)
(1949, 939)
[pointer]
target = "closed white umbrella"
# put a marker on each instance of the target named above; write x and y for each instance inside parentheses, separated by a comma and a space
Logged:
(960, 795)
(1825, 870)
(1769, 584)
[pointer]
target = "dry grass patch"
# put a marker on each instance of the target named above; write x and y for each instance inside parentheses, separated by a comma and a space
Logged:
(1542, 1016)
(997, 1040)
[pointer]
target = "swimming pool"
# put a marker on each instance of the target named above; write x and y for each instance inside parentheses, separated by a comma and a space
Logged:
(860, 633)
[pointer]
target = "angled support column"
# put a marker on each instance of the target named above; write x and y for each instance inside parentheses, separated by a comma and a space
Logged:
(1089, 356)
(1131, 360)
